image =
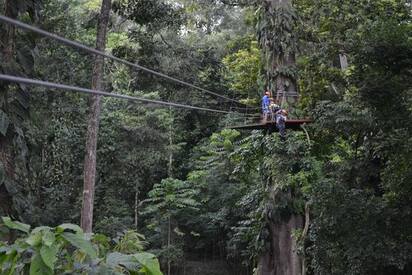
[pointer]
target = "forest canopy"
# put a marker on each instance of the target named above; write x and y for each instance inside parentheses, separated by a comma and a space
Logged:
(179, 190)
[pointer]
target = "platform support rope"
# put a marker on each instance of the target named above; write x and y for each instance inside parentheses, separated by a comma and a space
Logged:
(307, 133)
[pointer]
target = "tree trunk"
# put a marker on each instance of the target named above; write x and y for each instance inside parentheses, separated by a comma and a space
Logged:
(170, 175)
(7, 46)
(8, 31)
(7, 161)
(136, 205)
(282, 258)
(170, 164)
(93, 123)
(343, 61)
(285, 87)
(305, 233)
(169, 237)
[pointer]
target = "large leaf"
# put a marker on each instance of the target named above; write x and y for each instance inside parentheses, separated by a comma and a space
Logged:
(16, 225)
(38, 267)
(49, 255)
(105, 270)
(66, 226)
(116, 259)
(4, 122)
(78, 241)
(40, 228)
(34, 239)
(48, 238)
(149, 262)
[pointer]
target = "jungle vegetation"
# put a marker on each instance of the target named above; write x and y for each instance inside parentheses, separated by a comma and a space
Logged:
(178, 191)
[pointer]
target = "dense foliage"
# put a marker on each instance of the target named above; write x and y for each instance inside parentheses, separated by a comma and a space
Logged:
(67, 250)
(206, 196)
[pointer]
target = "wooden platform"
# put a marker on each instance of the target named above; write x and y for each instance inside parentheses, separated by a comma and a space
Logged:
(292, 124)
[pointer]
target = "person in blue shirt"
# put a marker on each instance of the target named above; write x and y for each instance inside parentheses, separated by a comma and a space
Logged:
(265, 105)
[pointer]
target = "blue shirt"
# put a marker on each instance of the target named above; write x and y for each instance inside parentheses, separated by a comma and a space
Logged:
(265, 102)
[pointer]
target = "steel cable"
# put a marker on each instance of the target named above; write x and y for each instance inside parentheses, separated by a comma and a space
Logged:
(97, 52)
(28, 81)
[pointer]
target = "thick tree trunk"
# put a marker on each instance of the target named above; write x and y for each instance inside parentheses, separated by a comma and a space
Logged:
(8, 31)
(169, 237)
(7, 162)
(284, 87)
(93, 124)
(7, 46)
(282, 258)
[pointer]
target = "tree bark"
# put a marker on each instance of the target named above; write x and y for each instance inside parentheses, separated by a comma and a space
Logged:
(285, 87)
(136, 205)
(305, 233)
(7, 161)
(282, 258)
(343, 61)
(93, 122)
(8, 31)
(7, 46)
(170, 175)
(169, 237)
(170, 163)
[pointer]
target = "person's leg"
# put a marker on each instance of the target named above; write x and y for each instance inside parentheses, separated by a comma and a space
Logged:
(265, 115)
(282, 131)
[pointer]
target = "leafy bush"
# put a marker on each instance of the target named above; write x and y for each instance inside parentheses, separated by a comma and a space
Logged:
(66, 249)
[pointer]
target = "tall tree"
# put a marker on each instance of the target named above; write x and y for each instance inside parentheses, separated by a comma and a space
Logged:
(6, 135)
(277, 19)
(93, 124)
(17, 59)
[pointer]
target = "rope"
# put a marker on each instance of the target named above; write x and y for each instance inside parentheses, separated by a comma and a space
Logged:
(97, 52)
(307, 133)
(58, 86)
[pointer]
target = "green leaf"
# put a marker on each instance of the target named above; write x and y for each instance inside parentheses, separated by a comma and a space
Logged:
(78, 241)
(149, 262)
(49, 255)
(34, 239)
(40, 228)
(69, 226)
(8, 261)
(38, 267)
(116, 259)
(48, 238)
(16, 225)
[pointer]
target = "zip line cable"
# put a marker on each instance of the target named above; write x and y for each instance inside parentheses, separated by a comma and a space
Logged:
(245, 108)
(83, 47)
(28, 81)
